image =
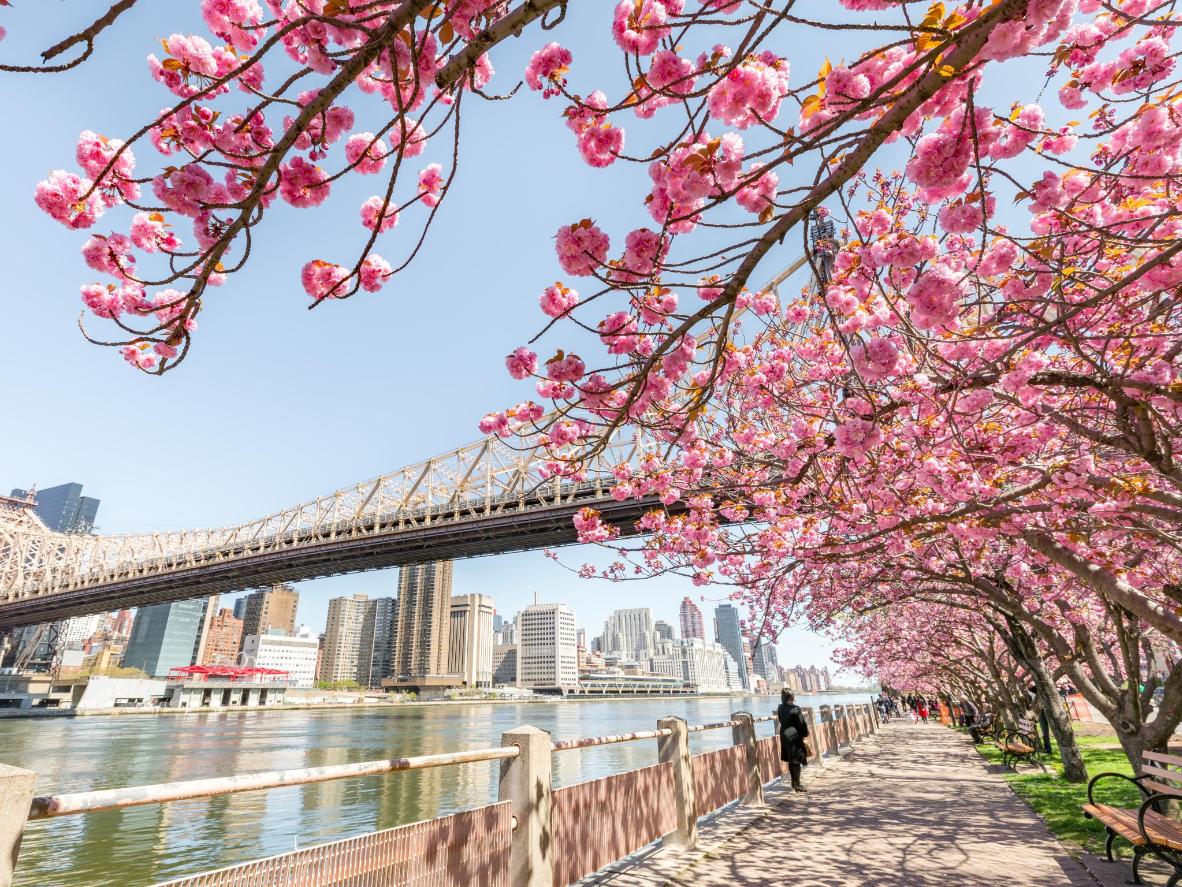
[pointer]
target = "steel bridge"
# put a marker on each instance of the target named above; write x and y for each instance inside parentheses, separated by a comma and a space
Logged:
(485, 498)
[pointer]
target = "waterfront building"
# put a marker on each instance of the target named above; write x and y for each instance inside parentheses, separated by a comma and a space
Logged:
(223, 639)
(828, 681)
(340, 659)
(695, 662)
(734, 677)
(765, 661)
(63, 508)
(421, 631)
(613, 682)
(75, 632)
(470, 637)
(266, 610)
(211, 608)
(692, 625)
(728, 632)
(664, 630)
(293, 653)
(504, 665)
(630, 633)
(377, 641)
(165, 636)
(547, 657)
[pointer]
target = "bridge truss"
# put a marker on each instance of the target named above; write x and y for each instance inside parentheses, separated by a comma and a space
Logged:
(488, 497)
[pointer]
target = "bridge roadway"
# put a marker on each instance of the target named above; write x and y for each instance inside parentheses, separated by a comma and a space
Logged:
(536, 525)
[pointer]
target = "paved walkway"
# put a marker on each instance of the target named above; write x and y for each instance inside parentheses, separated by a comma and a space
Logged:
(914, 805)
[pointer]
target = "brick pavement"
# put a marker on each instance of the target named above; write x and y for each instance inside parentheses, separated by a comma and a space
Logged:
(914, 805)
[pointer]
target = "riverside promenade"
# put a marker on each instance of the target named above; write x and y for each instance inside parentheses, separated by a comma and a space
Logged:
(913, 805)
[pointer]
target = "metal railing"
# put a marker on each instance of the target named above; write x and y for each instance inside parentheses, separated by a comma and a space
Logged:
(525, 783)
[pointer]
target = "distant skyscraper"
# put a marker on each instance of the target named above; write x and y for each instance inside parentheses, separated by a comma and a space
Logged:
(273, 608)
(692, 625)
(240, 608)
(77, 631)
(497, 621)
(223, 639)
(424, 617)
(664, 630)
(630, 633)
(341, 656)
(164, 636)
(728, 633)
(547, 657)
(765, 662)
(63, 508)
(377, 641)
(470, 639)
(504, 665)
(199, 643)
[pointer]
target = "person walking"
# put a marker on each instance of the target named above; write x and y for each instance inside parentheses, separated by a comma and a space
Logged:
(793, 731)
(923, 709)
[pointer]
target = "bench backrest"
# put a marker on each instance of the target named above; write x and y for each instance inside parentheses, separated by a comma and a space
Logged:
(1025, 725)
(1163, 773)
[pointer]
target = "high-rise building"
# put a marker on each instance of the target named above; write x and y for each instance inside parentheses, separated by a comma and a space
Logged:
(630, 634)
(663, 629)
(223, 639)
(728, 632)
(692, 625)
(240, 608)
(164, 636)
(75, 632)
(421, 631)
(270, 609)
(377, 641)
(340, 660)
(63, 508)
(211, 609)
(504, 665)
(766, 664)
(507, 633)
(470, 639)
(295, 654)
(695, 661)
(547, 657)
(498, 620)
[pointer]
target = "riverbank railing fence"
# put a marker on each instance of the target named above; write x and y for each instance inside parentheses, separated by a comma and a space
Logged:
(536, 835)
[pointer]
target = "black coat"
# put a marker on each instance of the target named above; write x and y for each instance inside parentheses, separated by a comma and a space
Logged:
(793, 752)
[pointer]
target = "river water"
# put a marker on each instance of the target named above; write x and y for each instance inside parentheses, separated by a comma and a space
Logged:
(143, 845)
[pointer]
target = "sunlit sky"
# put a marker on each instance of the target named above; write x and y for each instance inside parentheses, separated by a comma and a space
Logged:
(278, 404)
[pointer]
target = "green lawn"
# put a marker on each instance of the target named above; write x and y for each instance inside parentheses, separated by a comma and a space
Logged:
(1058, 802)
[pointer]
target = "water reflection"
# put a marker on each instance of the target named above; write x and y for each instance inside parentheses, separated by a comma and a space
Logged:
(143, 845)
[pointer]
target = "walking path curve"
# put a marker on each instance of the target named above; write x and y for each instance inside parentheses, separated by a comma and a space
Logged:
(913, 805)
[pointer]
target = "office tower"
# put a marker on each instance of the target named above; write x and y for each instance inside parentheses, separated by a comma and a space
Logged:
(120, 626)
(421, 629)
(240, 608)
(164, 636)
(497, 622)
(505, 665)
(76, 631)
(581, 638)
(294, 653)
(340, 659)
(727, 631)
(547, 657)
(377, 641)
(630, 634)
(663, 629)
(508, 633)
(63, 508)
(764, 659)
(273, 608)
(696, 662)
(826, 679)
(211, 608)
(223, 639)
(692, 625)
(470, 639)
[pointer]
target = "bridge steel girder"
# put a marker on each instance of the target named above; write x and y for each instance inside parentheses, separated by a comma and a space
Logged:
(510, 530)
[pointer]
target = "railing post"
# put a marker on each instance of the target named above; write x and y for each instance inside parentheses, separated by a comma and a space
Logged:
(16, 793)
(744, 734)
(525, 783)
(828, 728)
(816, 742)
(674, 749)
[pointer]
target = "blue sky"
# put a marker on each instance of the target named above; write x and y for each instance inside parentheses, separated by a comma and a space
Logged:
(278, 404)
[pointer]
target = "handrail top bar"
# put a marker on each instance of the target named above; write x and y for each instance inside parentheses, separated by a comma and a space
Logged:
(49, 806)
(591, 741)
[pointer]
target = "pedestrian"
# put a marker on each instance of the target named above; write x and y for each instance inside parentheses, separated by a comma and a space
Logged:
(922, 709)
(793, 731)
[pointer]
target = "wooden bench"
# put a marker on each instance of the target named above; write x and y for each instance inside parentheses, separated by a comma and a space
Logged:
(1021, 745)
(1147, 828)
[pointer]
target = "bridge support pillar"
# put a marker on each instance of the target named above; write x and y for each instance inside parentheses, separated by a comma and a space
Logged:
(674, 749)
(16, 793)
(525, 783)
(743, 731)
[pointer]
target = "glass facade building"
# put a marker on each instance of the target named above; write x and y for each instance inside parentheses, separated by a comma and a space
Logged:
(165, 636)
(728, 633)
(63, 508)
